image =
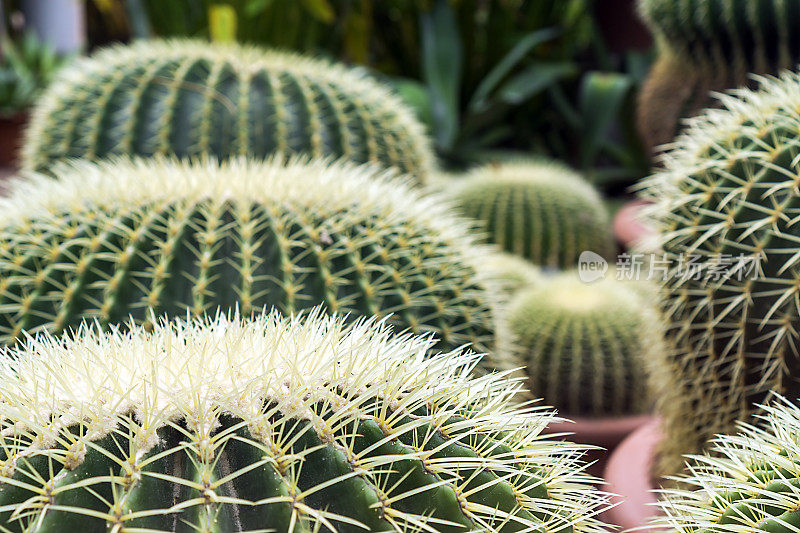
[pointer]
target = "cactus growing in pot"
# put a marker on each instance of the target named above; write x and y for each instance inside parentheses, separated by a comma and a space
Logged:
(542, 211)
(727, 206)
(116, 239)
(751, 484)
(192, 99)
(707, 46)
(586, 347)
(279, 424)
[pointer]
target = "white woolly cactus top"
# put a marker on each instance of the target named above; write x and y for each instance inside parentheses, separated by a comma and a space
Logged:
(531, 171)
(301, 391)
(751, 483)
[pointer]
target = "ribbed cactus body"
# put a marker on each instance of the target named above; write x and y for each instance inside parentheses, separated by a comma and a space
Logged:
(586, 346)
(710, 46)
(541, 211)
(193, 99)
(509, 272)
(727, 208)
(120, 239)
(751, 484)
(286, 425)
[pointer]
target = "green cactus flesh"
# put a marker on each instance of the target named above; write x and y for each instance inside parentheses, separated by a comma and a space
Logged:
(280, 424)
(510, 272)
(727, 208)
(586, 346)
(541, 211)
(120, 239)
(191, 99)
(751, 484)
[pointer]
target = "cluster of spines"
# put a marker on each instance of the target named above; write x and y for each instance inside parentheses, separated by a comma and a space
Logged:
(190, 99)
(538, 210)
(727, 206)
(120, 239)
(290, 424)
(750, 483)
(586, 347)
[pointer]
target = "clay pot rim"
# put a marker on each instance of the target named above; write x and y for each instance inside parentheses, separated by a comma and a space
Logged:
(605, 432)
(628, 476)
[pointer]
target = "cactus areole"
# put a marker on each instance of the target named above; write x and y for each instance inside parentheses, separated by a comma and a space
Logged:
(280, 424)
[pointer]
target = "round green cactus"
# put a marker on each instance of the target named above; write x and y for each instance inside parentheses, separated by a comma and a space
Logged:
(509, 272)
(727, 207)
(707, 46)
(121, 238)
(192, 99)
(752, 483)
(538, 210)
(280, 424)
(586, 346)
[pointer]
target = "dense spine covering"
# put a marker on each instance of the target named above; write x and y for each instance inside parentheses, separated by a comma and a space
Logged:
(711, 45)
(193, 99)
(586, 347)
(727, 206)
(510, 273)
(121, 238)
(542, 211)
(752, 483)
(280, 424)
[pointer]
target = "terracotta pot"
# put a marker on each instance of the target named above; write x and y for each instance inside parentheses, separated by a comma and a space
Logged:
(629, 476)
(605, 433)
(11, 130)
(628, 228)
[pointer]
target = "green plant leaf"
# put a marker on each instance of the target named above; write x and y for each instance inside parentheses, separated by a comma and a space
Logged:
(508, 63)
(535, 79)
(601, 98)
(320, 10)
(442, 64)
(222, 23)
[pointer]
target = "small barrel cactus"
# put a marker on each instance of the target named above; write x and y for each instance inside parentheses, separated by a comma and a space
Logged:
(727, 207)
(509, 272)
(711, 45)
(538, 210)
(279, 424)
(192, 99)
(117, 239)
(751, 484)
(586, 346)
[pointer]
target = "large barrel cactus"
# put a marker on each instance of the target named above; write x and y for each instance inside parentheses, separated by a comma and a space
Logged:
(586, 347)
(711, 45)
(190, 99)
(286, 425)
(119, 239)
(538, 210)
(752, 483)
(727, 206)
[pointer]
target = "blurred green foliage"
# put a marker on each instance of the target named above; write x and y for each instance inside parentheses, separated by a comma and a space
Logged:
(484, 75)
(26, 66)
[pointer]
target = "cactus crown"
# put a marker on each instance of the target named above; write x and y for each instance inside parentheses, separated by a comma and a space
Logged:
(539, 210)
(510, 272)
(189, 98)
(114, 239)
(751, 484)
(586, 346)
(743, 35)
(728, 202)
(289, 424)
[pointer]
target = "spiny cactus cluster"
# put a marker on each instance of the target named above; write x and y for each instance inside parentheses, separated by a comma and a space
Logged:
(751, 484)
(711, 45)
(538, 210)
(727, 206)
(586, 347)
(192, 99)
(277, 424)
(509, 272)
(121, 238)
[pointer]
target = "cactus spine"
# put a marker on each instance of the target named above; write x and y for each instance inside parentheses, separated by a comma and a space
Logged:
(117, 239)
(728, 203)
(586, 346)
(192, 99)
(541, 211)
(290, 425)
(711, 45)
(751, 484)
(509, 272)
